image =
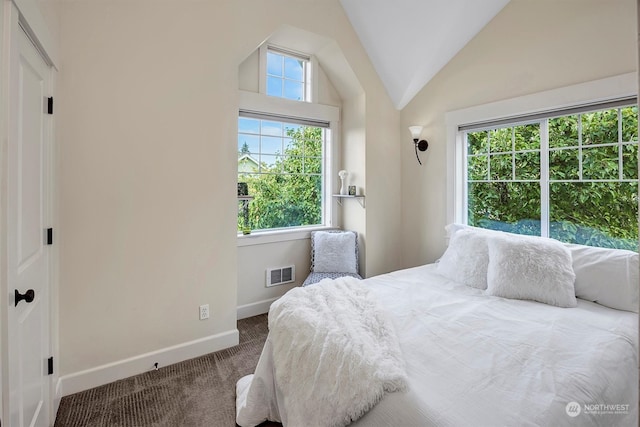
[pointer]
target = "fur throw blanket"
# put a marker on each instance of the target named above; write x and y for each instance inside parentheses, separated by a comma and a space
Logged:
(335, 353)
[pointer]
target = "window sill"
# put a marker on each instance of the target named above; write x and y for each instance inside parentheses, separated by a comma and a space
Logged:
(275, 236)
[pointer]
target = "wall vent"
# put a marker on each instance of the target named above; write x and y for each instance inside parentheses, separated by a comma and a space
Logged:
(281, 275)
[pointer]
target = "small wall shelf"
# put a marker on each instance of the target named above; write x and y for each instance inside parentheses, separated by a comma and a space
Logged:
(339, 197)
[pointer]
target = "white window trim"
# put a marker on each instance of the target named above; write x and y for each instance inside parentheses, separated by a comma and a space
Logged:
(251, 101)
(595, 91)
(279, 235)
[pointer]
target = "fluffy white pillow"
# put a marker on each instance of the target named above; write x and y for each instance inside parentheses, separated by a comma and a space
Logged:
(609, 277)
(334, 252)
(531, 268)
(454, 227)
(466, 259)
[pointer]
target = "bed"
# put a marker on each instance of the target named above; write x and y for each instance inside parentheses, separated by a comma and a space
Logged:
(476, 358)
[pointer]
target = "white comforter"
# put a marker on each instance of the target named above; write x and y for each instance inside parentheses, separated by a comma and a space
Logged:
(479, 360)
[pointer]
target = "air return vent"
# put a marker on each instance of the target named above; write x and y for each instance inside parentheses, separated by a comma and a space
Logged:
(281, 275)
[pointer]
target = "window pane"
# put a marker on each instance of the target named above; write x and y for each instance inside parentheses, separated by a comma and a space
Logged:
(629, 124)
(246, 125)
(313, 147)
(291, 129)
(596, 213)
(274, 64)
(478, 168)
(500, 140)
(247, 164)
(507, 206)
(271, 145)
(294, 69)
(298, 201)
(293, 90)
(527, 137)
(248, 144)
(290, 145)
(477, 142)
(600, 127)
(630, 161)
(292, 164)
(600, 163)
(271, 128)
(564, 164)
(313, 165)
(274, 86)
(284, 193)
(563, 132)
(286, 76)
(501, 167)
(589, 203)
(269, 163)
(528, 165)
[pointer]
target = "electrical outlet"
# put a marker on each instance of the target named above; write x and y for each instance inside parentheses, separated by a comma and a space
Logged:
(204, 311)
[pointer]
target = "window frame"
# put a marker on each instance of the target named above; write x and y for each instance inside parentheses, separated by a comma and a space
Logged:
(311, 71)
(597, 91)
(259, 103)
(544, 150)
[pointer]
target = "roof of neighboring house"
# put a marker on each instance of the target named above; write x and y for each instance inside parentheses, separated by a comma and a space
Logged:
(247, 163)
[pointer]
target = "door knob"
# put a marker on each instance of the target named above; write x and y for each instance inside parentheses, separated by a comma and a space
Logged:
(27, 296)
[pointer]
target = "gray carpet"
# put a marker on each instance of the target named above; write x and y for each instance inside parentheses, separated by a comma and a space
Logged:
(197, 392)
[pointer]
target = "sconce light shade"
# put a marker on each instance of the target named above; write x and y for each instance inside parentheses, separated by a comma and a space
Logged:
(416, 131)
(419, 144)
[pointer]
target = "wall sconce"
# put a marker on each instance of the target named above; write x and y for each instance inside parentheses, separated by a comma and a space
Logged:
(420, 144)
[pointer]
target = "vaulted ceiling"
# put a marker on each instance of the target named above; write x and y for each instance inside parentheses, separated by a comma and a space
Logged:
(409, 41)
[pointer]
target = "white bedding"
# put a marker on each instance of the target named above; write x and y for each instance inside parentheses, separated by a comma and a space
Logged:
(474, 359)
(339, 330)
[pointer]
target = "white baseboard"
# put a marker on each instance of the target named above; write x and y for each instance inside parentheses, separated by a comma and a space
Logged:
(253, 309)
(94, 377)
(57, 397)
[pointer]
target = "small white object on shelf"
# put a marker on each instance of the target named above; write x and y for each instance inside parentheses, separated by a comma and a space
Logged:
(343, 175)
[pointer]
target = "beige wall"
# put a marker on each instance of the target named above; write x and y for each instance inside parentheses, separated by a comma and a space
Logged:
(148, 113)
(253, 262)
(383, 188)
(354, 216)
(530, 46)
(144, 177)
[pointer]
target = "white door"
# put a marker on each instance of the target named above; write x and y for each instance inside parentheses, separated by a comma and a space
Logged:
(27, 253)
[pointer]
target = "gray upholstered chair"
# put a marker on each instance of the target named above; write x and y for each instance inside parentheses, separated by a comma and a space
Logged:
(334, 253)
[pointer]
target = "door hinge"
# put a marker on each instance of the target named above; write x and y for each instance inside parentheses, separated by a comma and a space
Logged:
(50, 366)
(49, 236)
(50, 105)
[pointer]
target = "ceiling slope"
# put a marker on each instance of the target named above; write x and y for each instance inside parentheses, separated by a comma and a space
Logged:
(409, 41)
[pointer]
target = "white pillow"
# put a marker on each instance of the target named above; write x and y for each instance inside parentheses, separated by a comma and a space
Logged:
(454, 227)
(531, 268)
(609, 277)
(466, 259)
(334, 252)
